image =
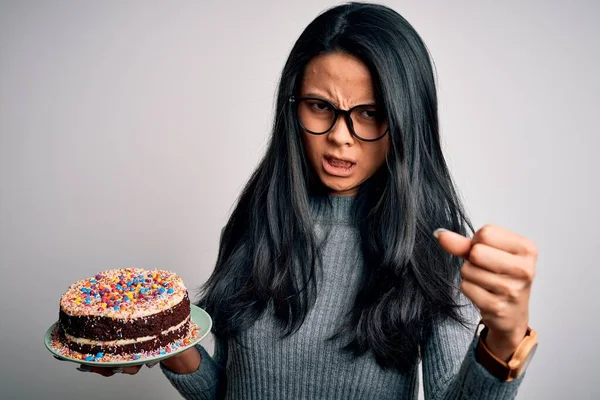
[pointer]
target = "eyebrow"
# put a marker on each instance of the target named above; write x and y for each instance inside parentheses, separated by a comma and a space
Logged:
(313, 94)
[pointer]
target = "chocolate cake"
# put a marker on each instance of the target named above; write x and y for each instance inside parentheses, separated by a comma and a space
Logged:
(124, 311)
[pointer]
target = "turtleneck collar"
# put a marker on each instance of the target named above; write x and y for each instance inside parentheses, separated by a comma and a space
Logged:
(333, 209)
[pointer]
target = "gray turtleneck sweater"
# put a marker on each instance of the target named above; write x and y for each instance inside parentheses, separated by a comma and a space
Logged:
(262, 366)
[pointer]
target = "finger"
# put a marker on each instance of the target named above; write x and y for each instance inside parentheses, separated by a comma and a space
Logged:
(498, 261)
(453, 242)
(131, 370)
(487, 302)
(503, 239)
(104, 371)
(492, 282)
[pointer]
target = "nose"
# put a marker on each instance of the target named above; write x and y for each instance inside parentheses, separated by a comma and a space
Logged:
(340, 133)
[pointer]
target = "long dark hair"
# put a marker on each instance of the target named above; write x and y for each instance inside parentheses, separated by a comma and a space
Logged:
(269, 255)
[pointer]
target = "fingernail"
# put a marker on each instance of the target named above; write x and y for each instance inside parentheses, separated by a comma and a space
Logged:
(83, 369)
(150, 365)
(437, 232)
(117, 371)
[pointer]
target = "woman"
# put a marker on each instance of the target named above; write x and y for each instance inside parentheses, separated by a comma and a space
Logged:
(329, 283)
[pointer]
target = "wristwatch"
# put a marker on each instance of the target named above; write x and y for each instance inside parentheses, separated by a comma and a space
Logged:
(513, 368)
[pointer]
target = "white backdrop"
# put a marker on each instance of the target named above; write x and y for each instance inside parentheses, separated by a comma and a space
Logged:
(127, 130)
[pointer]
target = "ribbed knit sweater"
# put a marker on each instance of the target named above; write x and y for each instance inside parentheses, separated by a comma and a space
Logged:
(260, 365)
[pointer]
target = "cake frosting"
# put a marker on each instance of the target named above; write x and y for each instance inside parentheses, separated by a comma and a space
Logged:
(124, 311)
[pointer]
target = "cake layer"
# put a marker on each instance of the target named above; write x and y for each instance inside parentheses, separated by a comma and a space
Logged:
(127, 346)
(110, 328)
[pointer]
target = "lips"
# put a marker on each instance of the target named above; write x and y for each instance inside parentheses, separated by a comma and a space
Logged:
(341, 167)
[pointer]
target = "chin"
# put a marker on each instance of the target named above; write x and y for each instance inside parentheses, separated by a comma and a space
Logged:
(339, 187)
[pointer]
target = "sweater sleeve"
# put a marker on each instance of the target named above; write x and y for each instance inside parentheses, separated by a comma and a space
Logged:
(208, 381)
(450, 370)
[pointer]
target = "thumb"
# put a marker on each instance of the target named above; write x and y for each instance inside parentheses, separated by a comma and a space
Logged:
(453, 242)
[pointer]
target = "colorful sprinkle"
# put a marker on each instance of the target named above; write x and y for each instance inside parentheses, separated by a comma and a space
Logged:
(116, 292)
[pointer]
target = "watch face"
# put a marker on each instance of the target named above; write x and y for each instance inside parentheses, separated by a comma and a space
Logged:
(526, 361)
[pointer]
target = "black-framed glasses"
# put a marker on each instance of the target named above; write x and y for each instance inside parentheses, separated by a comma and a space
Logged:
(318, 116)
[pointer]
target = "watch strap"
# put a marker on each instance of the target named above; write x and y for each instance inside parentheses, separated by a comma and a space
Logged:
(494, 365)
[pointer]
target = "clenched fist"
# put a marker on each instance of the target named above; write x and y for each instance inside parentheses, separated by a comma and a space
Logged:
(497, 273)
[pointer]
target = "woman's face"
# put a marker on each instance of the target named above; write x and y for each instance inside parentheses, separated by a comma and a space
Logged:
(341, 161)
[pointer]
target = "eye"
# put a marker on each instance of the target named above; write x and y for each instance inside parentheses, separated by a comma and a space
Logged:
(319, 106)
(369, 114)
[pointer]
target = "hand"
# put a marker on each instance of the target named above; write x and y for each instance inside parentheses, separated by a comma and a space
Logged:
(497, 274)
(108, 371)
